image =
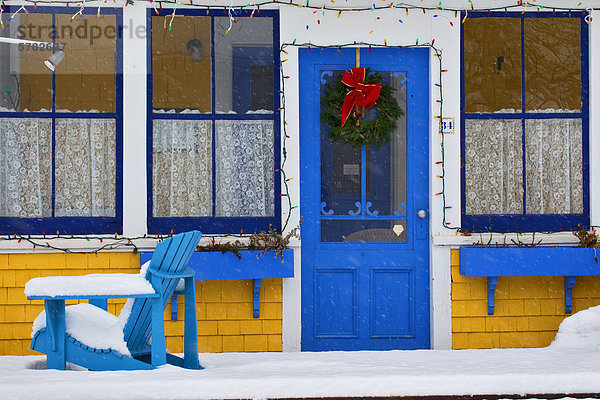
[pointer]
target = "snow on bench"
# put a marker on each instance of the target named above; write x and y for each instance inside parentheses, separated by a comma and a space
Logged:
(91, 326)
(106, 285)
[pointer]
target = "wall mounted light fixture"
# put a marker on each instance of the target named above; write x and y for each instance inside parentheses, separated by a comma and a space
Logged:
(194, 47)
(54, 60)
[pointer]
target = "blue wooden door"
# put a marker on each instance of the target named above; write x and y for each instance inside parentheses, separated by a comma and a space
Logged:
(365, 248)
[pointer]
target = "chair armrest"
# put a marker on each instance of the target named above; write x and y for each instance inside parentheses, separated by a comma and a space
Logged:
(187, 273)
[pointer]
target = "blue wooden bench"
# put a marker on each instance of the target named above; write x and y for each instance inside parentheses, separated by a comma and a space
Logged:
(492, 262)
(210, 266)
(143, 319)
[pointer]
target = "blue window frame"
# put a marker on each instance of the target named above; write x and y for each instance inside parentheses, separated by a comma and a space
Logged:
(525, 126)
(61, 129)
(213, 121)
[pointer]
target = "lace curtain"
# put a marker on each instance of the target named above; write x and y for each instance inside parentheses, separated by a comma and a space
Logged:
(554, 166)
(494, 166)
(245, 167)
(182, 168)
(85, 167)
(25, 167)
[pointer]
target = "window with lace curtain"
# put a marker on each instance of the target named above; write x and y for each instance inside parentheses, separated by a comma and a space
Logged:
(213, 114)
(60, 130)
(524, 121)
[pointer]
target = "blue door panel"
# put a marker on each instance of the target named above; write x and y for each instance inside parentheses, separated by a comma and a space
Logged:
(392, 300)
(336, 298)
(360, 293)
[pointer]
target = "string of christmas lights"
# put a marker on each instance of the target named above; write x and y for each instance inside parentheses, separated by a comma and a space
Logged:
(440, 101)
(323, 7)
(113, 242)
(285, 179)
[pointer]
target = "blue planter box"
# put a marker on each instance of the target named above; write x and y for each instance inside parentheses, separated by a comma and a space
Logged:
(219, 266)
(524, 261)
(214, 265)
(492, 263)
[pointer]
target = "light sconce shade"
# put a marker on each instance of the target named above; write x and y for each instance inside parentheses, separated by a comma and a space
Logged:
(54, 60)
(194, 47)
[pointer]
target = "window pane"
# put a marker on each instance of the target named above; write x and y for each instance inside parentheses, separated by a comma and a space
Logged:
(86, 78)
(182, 168)
(341, 164)
(181, 64)
(244, 60)
(552, 64)
(245, 167)
(26, 83)
(554, 166)
(386, 168)
(85, 165)
(363, 231)
(492, 64)
(25, 167)
(493, 166)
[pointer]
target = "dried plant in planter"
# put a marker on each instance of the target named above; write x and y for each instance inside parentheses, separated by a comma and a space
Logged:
(233, 247)
(533, 243)
(518, 242)
(273, 241)
(262, 241)
(587, 238)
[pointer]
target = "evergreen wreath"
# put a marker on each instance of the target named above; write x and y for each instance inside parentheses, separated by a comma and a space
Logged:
(360, 132)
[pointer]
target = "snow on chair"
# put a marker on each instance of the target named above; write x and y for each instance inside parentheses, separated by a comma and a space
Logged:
(89, 336)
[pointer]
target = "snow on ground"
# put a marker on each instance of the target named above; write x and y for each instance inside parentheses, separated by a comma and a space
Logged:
(561, 368)
(268, 375)
(579, 331)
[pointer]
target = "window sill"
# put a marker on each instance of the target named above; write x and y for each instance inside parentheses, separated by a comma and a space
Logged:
(548, 239)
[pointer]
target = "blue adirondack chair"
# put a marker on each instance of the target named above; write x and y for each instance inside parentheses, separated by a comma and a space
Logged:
(143, 312)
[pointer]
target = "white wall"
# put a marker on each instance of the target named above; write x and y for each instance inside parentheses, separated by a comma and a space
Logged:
(594, 47)
(446, 32)
(134, 121)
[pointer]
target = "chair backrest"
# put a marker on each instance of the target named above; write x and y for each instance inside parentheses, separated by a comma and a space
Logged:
(172, 256)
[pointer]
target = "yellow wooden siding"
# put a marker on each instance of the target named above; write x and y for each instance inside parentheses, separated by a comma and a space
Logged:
(527, 313)
(224, 308)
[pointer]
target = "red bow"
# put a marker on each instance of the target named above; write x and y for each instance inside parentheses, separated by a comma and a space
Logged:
(363, 96)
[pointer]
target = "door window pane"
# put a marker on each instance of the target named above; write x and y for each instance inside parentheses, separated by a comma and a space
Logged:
(341, 165)
(181, 64)
(386, 166)
(492, 64)
(363, 231)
